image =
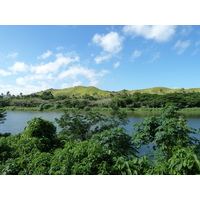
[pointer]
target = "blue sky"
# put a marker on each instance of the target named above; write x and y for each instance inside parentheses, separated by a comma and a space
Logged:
(35, 58)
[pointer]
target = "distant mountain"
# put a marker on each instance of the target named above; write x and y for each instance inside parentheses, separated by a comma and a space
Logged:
(79, 91)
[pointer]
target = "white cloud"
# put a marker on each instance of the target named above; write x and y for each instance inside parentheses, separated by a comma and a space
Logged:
(12, 55)
(21, 81)
(99, 59)
(4, 73)
(136, 54)
(31, 78)
(54, 66)
(160, 33)
(155, 57)
(59, 72)
(19, 67)
(45, 55)
(25, 89)
(116, 65)
(77, 70)
(111, 43)
(181, 46)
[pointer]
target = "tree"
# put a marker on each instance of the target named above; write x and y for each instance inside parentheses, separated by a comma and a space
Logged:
(42, 129)
(164, 132)
(184, 161)
(47, 95)
(82, 126)
(116, 140)
(21, 95)
(2, 116)
(8, 93)
(91, 158)
(82, 158)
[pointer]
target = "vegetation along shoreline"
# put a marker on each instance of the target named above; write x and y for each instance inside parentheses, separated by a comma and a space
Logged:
(94, 99)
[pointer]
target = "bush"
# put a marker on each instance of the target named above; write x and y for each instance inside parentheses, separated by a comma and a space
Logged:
(42, 129)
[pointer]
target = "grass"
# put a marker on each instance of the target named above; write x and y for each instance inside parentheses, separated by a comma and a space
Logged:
(79, 91)
(196, 109)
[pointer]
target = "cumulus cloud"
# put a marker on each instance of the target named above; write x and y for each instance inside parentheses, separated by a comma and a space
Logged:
(12, 55)
(63, 71)
(45, 55)
(136, 54)
(74, 71)
(19, 67)
(51, 73)
(112, 43)
(60, 61)
(4, 73)
(116, 65)
(31, 78)
(160, 33)
(26, 89)
(181, 46)
(99, 59)
(21, 81)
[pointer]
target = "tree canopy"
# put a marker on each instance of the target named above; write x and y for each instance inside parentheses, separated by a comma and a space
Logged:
(93, 143)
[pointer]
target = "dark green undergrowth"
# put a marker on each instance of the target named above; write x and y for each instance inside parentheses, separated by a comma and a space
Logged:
(93, 143)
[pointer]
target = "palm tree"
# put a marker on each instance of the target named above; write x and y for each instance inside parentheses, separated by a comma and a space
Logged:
(8, 93)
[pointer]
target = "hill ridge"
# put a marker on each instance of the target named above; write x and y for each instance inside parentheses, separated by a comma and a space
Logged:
(77, 91)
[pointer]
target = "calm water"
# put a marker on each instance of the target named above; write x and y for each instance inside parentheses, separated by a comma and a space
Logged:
(16, 121)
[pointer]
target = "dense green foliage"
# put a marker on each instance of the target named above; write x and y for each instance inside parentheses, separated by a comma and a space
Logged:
(137, 100)
(2, 115)
(93, 143)
(47, 95)
(75, 99)
(82, 126)
(164, 132)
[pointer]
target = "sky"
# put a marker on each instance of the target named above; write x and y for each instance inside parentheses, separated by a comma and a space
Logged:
(111, 57)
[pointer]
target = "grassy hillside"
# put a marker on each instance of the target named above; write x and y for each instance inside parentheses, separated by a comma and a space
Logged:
(164, 90)
(157, 90)
(79, 91)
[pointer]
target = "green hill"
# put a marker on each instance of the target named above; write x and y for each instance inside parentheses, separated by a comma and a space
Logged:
(79, 91)
(164, 90)
(157, 90)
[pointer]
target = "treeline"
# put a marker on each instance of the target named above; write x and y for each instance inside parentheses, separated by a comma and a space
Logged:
(93, 143)
(137, 100)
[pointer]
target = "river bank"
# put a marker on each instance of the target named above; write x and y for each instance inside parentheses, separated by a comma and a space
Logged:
(98, 109)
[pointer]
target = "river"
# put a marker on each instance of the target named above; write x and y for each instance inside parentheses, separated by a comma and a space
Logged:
(16, 121)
